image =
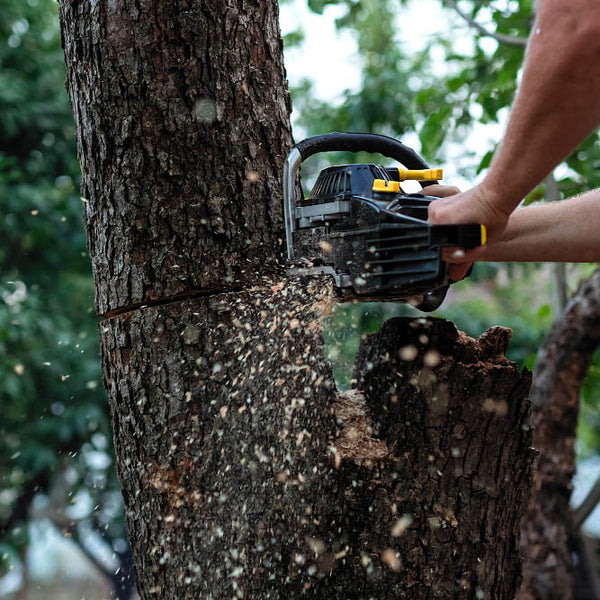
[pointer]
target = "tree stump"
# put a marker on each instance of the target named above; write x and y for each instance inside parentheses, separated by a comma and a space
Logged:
(435, 463)
(246, 474)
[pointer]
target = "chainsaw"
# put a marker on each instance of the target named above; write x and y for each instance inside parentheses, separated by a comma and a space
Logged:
(360, 227)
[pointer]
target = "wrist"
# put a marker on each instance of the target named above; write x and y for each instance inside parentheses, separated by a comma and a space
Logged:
(492, 207)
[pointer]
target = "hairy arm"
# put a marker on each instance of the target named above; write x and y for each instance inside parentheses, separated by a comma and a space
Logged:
(566, 231)
(555, 109)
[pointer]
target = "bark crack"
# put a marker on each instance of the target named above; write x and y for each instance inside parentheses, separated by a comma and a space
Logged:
(183, 297)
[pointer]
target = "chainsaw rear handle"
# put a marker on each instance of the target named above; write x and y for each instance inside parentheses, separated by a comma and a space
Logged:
(339, 142)
(458, 236)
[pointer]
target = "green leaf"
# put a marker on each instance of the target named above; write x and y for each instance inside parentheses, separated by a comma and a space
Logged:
(484, 163)
(544, 312)
(318, 6)
(434, 130)
(294, 38)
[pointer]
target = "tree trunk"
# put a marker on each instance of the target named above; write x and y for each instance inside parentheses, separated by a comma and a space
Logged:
(244, 472)
(223, 425)
(237, 484)
(549, 538)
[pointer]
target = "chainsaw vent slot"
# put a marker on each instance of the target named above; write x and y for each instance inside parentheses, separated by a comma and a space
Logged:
(401, 257)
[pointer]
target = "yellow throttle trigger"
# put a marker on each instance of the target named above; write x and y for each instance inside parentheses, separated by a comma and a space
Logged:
(381, 185)
(420, 174)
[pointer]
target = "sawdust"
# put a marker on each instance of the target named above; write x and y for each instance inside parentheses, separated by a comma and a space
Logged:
(355, 441)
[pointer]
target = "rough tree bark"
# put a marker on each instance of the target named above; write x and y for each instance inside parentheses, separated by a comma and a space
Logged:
(451, 413)
(549, 538)
(182, 117)
(245, 473)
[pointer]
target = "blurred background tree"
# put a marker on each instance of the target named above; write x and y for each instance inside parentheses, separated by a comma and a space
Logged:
(55, 444)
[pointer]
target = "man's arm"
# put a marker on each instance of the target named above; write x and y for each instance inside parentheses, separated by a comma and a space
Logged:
(565, 231)
(555, 109)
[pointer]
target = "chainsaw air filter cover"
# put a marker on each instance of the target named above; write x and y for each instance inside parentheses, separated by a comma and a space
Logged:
(359, 226)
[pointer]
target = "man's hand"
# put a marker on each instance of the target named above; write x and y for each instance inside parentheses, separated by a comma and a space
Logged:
(455, 207)
(472, 206)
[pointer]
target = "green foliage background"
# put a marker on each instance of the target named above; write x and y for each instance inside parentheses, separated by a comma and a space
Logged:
(54, 425)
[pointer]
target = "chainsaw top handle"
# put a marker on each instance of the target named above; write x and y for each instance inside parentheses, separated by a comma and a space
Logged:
(361, 142)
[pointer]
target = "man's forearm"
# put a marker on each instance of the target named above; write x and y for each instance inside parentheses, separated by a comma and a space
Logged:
(557, 106)
(566, 231)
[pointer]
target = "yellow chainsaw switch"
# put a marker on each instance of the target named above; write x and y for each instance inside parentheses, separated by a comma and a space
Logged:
(483, 235)
(420, 175)
(381, 185)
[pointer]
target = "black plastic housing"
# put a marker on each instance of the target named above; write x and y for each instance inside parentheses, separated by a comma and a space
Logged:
(379, 243)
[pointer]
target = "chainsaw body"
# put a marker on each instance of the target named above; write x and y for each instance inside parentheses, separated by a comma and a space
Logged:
(360, 227)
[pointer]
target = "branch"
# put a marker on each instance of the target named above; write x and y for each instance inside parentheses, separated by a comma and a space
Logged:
(20, 512)
(120, 576)
(586, 572)
(561, 366)
(499, 37)
(583, 511)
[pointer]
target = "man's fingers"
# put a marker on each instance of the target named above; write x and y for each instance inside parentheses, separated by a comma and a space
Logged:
(441, 191)
(459, 271)
(468, 207)
(439, 211)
